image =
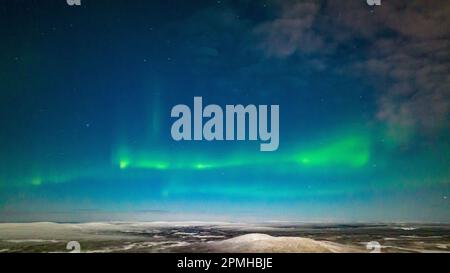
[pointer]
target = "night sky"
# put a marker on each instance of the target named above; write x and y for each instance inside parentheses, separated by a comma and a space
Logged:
(86, 93)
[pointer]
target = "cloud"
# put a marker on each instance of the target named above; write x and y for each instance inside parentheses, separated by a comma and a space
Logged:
(292, 31)
(406, 53)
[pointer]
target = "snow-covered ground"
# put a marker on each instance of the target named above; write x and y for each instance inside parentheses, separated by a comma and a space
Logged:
(220, 237)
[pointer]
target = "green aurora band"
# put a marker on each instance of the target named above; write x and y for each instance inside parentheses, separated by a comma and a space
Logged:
(345, 152)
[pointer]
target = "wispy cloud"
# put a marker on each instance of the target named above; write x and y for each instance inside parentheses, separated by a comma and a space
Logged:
(407, 53)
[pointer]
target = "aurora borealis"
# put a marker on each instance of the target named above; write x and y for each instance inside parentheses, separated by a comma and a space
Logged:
(86, 93)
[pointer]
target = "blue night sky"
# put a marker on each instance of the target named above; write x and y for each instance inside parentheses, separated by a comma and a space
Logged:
(86, 93)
